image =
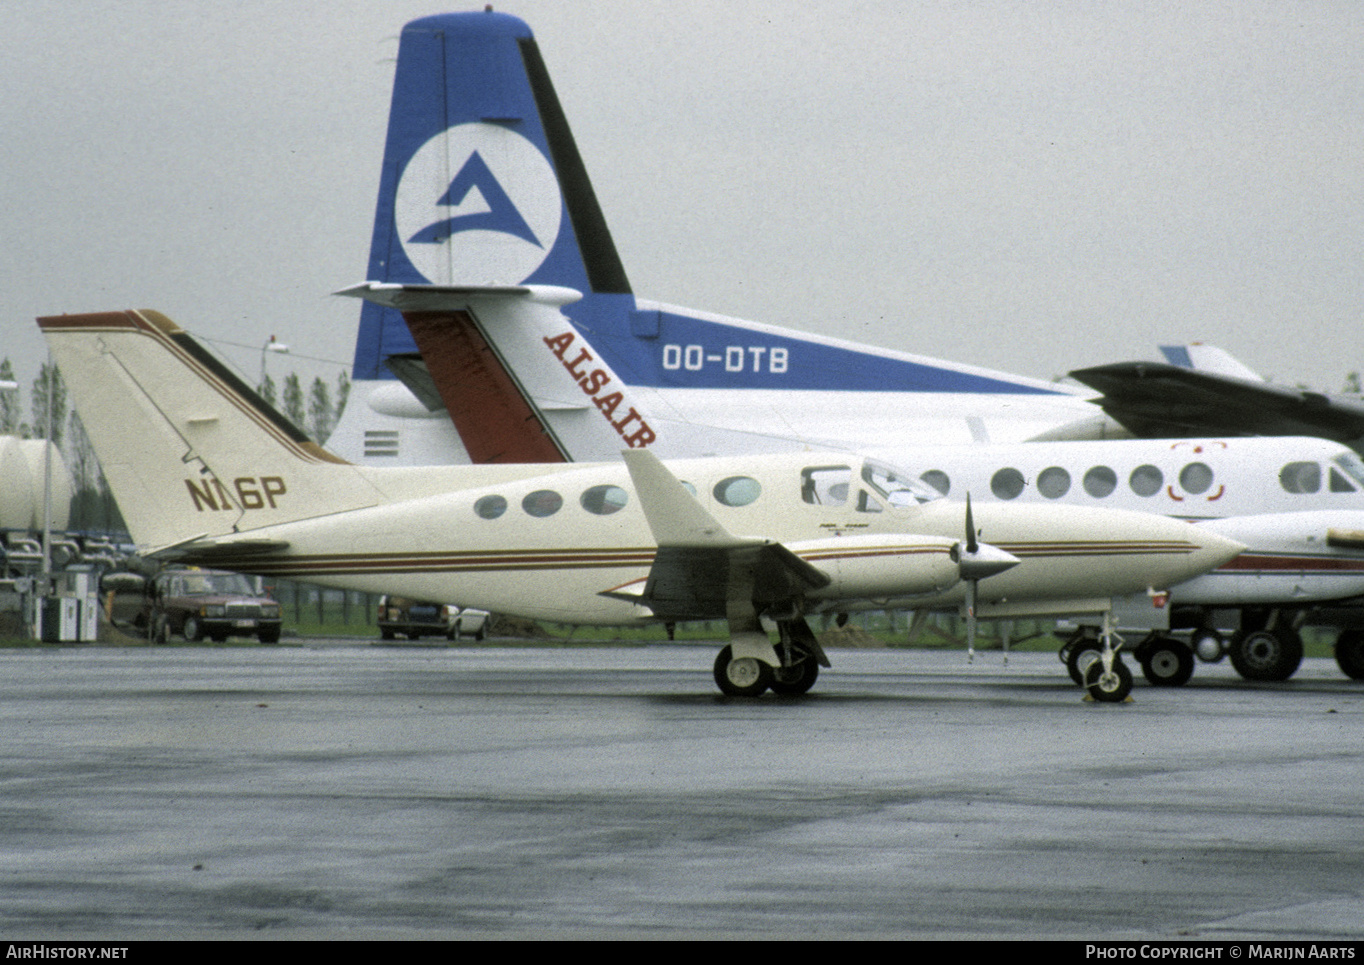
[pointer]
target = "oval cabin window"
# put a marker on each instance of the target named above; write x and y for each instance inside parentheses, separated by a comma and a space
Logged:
(1007, 484)
(1146, 480)
(1100, 481)
(491, 507)
(1053, 483)
(542, 503)
(737, 491)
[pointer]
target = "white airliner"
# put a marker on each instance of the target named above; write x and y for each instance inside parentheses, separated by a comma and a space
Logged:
(204, 472)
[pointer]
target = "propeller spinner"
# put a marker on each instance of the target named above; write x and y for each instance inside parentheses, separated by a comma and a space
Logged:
(976, 560)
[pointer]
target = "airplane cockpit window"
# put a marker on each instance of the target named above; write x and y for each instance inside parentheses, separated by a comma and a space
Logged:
(542, 503)
(1352, 466)
(1196, 478)
(1053, 483)
(825, 485)
(491, 507)
(1339, 484)
(1100, 481)
(1300, 477)
(737, 491)
(1146, 480)
(604, 500)
(938, 479)
(896, 487)
(1007, 483)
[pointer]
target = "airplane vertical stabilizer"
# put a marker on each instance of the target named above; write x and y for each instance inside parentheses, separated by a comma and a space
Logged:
(482, 185)
(189, 450)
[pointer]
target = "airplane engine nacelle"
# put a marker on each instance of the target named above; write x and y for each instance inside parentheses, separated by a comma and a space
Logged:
(882, 567)
(21, 484)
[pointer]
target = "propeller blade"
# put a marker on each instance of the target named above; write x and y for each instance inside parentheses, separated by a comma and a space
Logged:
(970, 621)
(971, 544)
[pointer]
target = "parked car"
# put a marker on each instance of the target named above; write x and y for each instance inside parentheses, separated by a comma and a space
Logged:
(207, 603)
(415, 619)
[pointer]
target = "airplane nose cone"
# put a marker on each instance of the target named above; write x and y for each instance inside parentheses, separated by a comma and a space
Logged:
(986, 561)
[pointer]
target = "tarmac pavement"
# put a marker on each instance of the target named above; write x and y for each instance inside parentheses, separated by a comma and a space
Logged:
(345, 790)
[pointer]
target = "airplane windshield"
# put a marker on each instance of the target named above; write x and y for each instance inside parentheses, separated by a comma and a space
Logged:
(1352, 465)
(897, 487)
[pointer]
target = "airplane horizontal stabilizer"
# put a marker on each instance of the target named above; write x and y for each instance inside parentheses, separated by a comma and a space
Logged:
(1156, 400)
(205, 551)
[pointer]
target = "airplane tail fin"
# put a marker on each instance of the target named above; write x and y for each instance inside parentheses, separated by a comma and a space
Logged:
(482, 182)
(1209, 358)
(520, 384)
(189, 450)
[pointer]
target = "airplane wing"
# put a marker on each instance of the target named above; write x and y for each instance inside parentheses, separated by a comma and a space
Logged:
(700, 570)
(1155, 400)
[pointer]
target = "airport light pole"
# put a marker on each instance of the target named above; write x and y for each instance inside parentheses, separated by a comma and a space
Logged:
(270, 345)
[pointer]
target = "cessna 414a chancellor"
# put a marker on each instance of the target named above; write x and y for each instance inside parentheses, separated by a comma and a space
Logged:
(204, 472)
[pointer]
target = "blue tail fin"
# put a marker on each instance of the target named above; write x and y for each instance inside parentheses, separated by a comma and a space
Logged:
(477, 151)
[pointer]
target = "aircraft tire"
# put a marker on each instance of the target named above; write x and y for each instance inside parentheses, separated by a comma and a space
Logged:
(1167, 663)
(796, 679)
(745, 677)
(1078, 658)
(1266, 656)
(1350, 653)
(1108, 688)
(193, 632)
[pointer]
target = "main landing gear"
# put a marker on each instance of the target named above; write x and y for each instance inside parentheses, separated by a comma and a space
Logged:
(743, 671)
(1266, 654)
(1350, 653)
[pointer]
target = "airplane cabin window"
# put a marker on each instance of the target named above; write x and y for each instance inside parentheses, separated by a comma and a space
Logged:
(1196, 478)
(491, 507)
(1339, 484)
(825, 485)
(737, 491)
(1300, 477)
(542, 503)
(1053, 482)
(1100, 481)
(604, 500)
(939, 480)
(1146, 480)
(1007, 484)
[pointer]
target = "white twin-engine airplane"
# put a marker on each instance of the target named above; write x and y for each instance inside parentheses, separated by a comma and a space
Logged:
(204, 472)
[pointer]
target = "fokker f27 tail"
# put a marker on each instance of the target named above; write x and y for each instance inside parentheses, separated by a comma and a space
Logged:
(483, 187)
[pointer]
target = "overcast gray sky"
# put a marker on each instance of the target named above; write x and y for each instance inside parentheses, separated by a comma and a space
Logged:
(1028, 186)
